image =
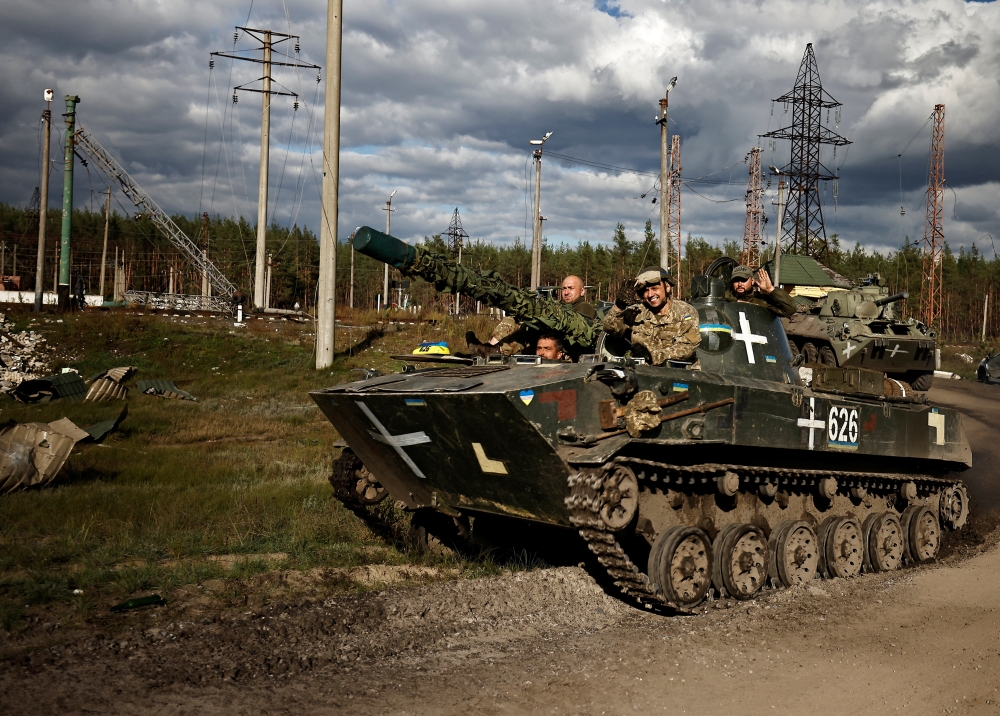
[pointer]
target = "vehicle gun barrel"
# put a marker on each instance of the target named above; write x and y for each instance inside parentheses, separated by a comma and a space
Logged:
(449, 276)
(901, 296)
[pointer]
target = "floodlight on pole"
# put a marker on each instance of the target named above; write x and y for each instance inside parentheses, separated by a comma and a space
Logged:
(536, 224)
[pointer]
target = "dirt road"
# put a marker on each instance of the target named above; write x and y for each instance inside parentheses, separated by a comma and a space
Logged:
(551, 641)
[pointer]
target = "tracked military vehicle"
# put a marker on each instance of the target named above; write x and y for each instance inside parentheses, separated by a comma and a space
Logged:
(860, 327)
(729, 478)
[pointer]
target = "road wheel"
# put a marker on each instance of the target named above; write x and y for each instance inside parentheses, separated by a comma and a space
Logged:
(740, 562)
(921, 381)
(353, 484)
(795, 553)
(683, 569)
(841, 545)
(827, 356)
(793, 347)
(883, 542)
(810, 352)
(922, 532)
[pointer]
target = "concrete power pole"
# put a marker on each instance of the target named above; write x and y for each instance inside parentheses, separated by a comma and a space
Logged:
(385, 280)
(43, 210)
(536, 224)
(665, 177)
(268, 39)
(67, 218)
(259, 289)
(326, 300)
(350, 300)
(104, 252)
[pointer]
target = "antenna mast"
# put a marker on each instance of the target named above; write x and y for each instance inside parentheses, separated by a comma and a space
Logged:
(753, 225)
(802, 227)
(930, 297)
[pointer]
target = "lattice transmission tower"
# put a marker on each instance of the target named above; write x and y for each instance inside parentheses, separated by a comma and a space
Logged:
(753, 225)
(674, 214)
(456, 237)
(802, 228)
(930, 296)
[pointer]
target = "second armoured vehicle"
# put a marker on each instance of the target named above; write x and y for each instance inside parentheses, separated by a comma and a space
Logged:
(680, 481)
(860, 327)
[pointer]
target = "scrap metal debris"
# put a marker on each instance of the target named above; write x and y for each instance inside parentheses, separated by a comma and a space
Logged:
(153, 600)
(109, 385)
(33, 453)
(163, 389)
(68, 386)
(99, 431)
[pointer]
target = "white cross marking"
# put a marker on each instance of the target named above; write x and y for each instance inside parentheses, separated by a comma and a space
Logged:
(895, 351)
(396, 442)
(812, 423)
(848, 349)
(748, 337)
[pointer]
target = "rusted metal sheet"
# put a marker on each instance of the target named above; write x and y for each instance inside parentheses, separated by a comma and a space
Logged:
(109, 385)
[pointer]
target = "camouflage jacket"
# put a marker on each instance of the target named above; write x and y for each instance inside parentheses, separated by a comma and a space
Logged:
(778, 301)
(524, 305)
(670, 335)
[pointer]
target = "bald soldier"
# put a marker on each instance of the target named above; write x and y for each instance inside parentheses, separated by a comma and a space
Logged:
(760, 291)
(663, 328)
(512, 337)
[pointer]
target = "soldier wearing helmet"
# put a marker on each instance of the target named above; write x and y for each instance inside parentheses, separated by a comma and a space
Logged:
(663, 328)
(760, 292)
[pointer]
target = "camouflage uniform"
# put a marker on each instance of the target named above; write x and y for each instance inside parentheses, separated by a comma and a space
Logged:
(670, 335)
(526, 307)
(513, 337)
(778, 301)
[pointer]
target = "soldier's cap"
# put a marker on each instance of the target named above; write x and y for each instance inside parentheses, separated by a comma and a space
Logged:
(652, 275)
(742, 273)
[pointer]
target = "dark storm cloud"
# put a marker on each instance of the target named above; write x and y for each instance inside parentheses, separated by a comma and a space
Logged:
(440, 99)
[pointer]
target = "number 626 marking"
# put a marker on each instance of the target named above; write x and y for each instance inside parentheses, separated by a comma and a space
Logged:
(842, 427)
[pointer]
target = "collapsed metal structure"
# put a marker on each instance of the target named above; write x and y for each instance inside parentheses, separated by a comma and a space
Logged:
(222, 286)
(802, 228)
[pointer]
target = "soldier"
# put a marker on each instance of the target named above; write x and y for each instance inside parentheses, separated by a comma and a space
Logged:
(510, 337)
(663, 328)
(760, 292)
(549, 346)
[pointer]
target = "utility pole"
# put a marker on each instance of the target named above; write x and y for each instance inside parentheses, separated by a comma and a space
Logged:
(536, 224)
(104, 252)
(43, 211)
(778, 233)
(385, 281)
(326, 294)
(206, 286)
(665, 177)
(931, 272)
(350, 301)
(62, 290)
(267, 283)
(673, 264)
(268, 39)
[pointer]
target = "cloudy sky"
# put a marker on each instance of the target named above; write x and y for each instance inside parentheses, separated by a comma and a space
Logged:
(440, 98)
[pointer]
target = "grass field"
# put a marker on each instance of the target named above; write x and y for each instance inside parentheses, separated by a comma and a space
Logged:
(185, 493)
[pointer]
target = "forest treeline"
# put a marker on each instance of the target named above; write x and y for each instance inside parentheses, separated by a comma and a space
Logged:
(147, 255)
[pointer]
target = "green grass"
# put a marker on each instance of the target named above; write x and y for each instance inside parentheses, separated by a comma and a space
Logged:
(241, 473)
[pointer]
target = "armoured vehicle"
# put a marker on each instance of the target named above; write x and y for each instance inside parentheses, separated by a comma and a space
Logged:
(859, 327)
(731, 477)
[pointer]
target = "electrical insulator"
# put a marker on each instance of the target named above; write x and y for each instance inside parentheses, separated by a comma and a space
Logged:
(317, 77)
(236, 36)
(295, 105)
(297, 48)
(235, 98)
(211, 64)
